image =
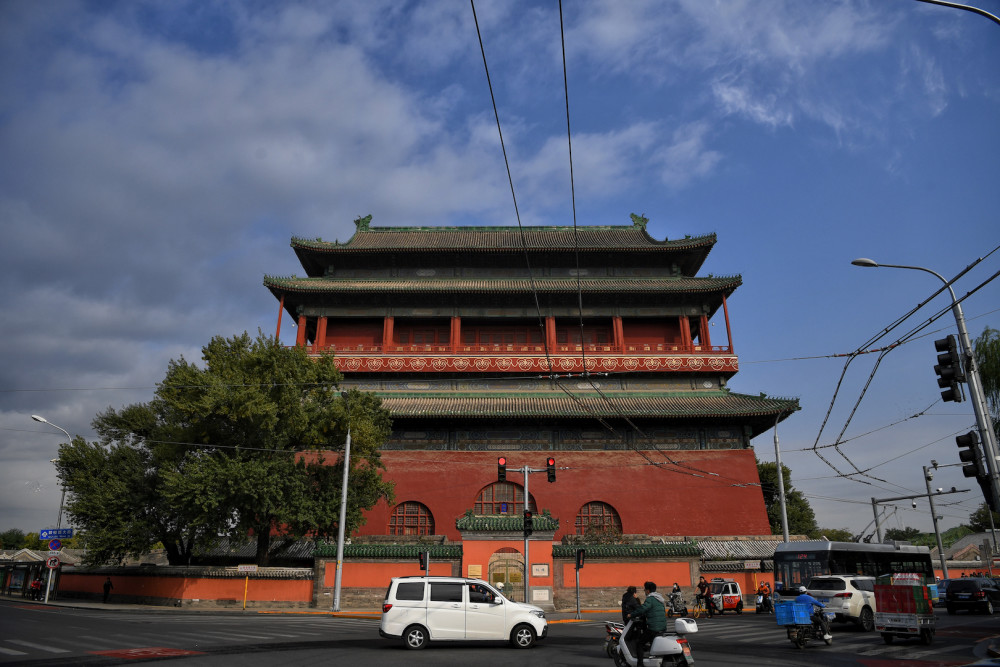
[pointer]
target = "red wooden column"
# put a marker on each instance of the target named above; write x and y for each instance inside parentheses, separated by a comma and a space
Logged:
(300, 335)
(387, 333)
(618, 333)
(729, 332)
(550, 333)
(281, 312)
(320, 342)
(455, 335)
(703, 336)
(686, 342)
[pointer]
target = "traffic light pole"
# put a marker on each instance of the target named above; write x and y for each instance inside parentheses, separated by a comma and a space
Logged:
(550, 470)
(985, 425)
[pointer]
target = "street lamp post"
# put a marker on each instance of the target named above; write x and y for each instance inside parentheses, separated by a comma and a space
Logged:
(343, 514)
(62, 497)
(983, 421)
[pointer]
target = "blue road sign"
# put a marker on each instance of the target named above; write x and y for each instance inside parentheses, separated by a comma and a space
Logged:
(55, 545)
(55, 533)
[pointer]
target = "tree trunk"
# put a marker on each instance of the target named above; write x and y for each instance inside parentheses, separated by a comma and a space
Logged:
(263, 546)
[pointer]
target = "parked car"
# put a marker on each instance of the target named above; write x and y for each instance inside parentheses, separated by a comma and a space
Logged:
(423, 609)
(972, 593)
(851, 598)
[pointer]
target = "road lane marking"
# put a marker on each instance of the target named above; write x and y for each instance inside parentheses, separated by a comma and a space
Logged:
(40, 647)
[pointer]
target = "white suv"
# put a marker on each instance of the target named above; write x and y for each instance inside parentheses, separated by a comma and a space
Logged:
(851, 598)
(422, 609)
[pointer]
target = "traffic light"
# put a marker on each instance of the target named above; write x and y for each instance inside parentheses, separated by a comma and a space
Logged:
(550, 469)
(502, 469)
(971, 456)
(528, 523)
(969, 444)
(949, 369)
(423, 557)
(579, 558)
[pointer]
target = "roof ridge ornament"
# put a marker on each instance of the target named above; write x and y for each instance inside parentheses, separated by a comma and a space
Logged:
(639, 221)
(363, 223)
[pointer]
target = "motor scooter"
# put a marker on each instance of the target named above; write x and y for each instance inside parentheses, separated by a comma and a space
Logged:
(676, 605)
(801, 633)
(614, 630)
(665, 649)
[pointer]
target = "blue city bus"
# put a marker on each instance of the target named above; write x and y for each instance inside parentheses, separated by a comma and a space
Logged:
(795, 563)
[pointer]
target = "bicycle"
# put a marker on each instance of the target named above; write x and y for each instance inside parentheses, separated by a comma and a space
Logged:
(700, 609)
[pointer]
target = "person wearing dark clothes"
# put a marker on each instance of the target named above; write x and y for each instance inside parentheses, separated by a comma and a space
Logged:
(654, 610)
(107, 589)
(630, 602)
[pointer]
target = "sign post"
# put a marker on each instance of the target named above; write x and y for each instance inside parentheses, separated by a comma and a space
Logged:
(247, 569)
(52, 563)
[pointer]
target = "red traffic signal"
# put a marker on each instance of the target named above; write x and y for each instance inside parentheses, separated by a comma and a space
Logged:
(422, 558)
(528, 523)
(502, 469)
(550, 469)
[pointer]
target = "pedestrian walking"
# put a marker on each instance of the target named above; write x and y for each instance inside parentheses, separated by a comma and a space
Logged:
(107, 589)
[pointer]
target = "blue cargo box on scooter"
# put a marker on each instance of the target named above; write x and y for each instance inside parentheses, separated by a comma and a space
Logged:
(793, 613)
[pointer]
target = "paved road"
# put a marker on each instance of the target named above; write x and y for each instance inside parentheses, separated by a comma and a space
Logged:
(41, 635)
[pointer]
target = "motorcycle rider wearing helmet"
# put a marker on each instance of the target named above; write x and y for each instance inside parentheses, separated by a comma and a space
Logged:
(654, 610)
(805, 598)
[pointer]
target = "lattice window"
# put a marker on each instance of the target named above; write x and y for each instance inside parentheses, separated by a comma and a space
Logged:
(598, 516)
(411, 518)
(492, 498)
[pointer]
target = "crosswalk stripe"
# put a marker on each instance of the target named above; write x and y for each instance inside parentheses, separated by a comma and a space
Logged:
(40, 647)
(10, 651)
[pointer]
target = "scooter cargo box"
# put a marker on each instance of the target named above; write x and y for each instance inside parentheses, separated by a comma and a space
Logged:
(792, 613)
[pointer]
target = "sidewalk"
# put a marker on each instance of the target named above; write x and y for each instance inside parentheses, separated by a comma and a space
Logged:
(599, 615)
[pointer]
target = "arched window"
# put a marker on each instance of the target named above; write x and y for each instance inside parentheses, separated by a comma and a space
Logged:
(599, 517)
(501, 498)
(411, 518)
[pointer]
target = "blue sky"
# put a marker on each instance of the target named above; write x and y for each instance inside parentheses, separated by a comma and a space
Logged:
(158, 157)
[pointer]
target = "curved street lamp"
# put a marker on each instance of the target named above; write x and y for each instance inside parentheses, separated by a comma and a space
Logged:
(983, 421)
(62, 498)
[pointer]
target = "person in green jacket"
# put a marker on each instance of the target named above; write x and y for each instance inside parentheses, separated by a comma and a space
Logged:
(654, 610)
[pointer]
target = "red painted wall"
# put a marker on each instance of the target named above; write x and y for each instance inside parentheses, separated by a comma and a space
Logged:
(183, 588)
(655, 500)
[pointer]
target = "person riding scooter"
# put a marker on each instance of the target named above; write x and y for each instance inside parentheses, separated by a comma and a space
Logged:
(817, 616)
(654, 611)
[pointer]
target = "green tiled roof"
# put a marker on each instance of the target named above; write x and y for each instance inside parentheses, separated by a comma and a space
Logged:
(390, 551)
(502, 523)
(683, 549)
(611, 404)
(505, 239)
(569, 284)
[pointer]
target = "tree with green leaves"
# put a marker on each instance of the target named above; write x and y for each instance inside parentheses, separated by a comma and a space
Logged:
(903, 534)
(835, 534)
(12, 538)
(801, 518)
(986, 349)
(979, 521)
(233, 448)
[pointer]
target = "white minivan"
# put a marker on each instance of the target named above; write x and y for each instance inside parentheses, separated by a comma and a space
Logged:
(421, 609)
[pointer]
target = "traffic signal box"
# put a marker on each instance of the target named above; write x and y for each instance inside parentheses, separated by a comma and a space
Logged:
(949, 369)
(502, 469)
(550, 469)
(528, 523)
(972, 456)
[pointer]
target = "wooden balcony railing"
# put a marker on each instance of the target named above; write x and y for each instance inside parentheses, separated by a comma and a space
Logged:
(531, 349)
